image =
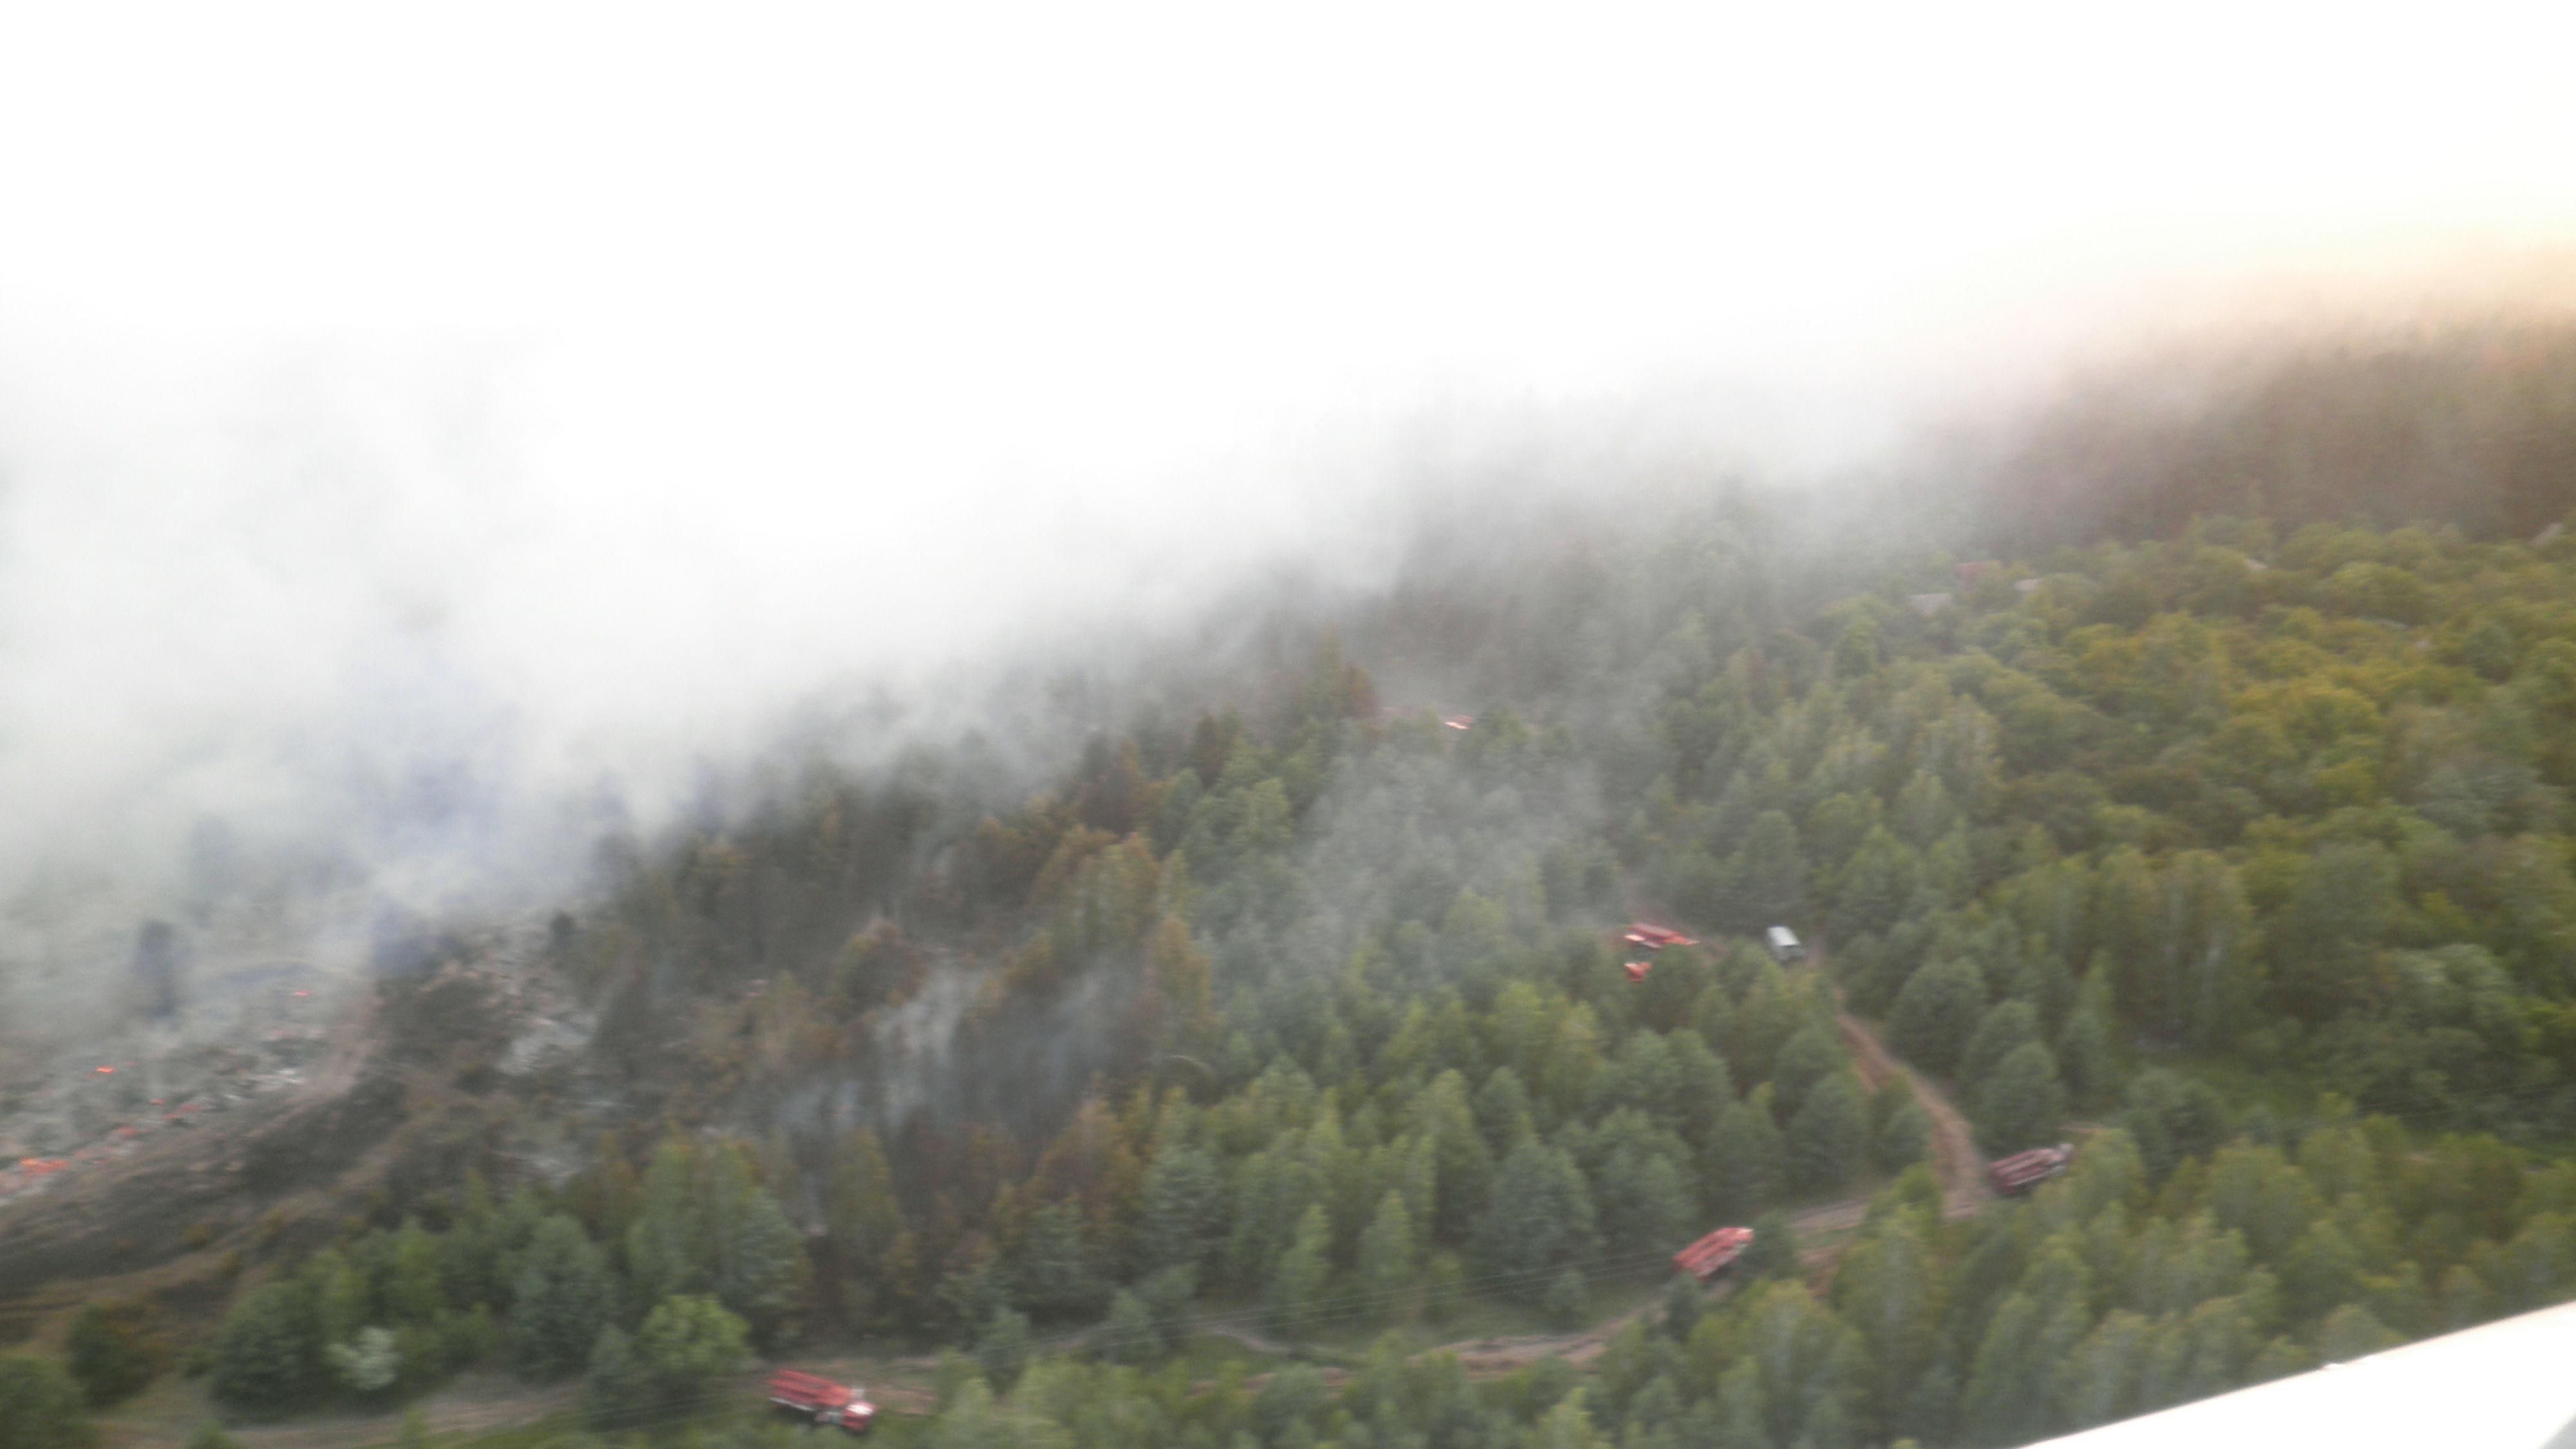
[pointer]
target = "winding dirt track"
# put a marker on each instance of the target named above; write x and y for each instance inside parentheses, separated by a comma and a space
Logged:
(1954, 1157)
(496, 1403)
(477, 1404)
(1954, 1143)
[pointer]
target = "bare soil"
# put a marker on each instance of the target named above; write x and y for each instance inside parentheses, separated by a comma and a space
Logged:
(1954, 1143)
(476, 1403)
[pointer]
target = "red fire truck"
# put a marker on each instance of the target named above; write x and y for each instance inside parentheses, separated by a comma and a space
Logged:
(819, 1401)
(1714, 1254)
(2012, 1176)
(1655, 938)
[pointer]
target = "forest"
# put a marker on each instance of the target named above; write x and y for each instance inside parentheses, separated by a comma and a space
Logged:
(1292, 1017)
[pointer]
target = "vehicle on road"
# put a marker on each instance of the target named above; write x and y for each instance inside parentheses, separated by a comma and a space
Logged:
(2012, 1176)
(821, 1402)
(1709, 1258)
(1655, 938)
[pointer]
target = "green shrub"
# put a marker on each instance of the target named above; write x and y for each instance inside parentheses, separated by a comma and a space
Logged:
(113, 1351)
(40, 1406)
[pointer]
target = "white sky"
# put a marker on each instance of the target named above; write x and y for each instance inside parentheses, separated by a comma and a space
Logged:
(645, 367)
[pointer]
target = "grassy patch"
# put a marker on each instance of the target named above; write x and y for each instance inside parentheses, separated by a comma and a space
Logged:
(516, 1436)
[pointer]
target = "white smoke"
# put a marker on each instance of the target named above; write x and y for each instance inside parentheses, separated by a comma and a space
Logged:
(424, 438)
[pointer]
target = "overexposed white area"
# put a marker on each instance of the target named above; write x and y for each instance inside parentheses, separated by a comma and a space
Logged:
(2502, 1385)
(534, 398)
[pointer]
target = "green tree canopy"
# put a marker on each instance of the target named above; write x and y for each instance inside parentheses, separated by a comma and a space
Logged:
(40, 1406)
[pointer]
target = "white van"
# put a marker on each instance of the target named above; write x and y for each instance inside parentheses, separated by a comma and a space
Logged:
(1784, 946)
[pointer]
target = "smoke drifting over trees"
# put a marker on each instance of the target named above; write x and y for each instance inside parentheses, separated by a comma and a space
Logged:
(391, 540)
(673, 693)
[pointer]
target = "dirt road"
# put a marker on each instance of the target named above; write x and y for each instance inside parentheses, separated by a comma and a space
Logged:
(1954, 1143)
(489, 1404)
(477, 1403)
(1955, 1161)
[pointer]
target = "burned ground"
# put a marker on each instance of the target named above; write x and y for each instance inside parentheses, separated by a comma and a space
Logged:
(193, 1159)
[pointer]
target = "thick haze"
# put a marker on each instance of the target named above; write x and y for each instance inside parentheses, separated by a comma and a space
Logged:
(409, 427)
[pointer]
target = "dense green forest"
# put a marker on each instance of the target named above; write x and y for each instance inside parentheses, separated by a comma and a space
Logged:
(2238, 853)
(2250, 851)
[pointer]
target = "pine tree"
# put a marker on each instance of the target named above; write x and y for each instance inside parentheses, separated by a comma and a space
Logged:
(1682, 1302)
(1298, 1280)
(1903, 1137)
(2020, 1104)
(860, 1210)
(1052, 1271)
(1935, 1014)
(1813, 1053)
(2010, 1397)
(1003, 1349)
(1829, 1138)
(2100, 1379)
(1745, 1159)
(342, 1301)
(1386, 1259)
(1540, 1217)
(1876, 884)
(413, 1294)
(1128, 1334)
(562, 1297)
(1568, 1303)
(1923, 812)
(2007, 1025)
(615, 1390)
(1773, 1253)
(1644, 1193)
(667, 1247)
(1774, 880)
(1885, 1289)
(1463, 1161)
(1185, 1217)
(2084, 1044)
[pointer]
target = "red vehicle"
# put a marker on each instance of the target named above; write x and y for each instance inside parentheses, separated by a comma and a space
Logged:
(820, 1401)
(1714, 1254)
(1637, 969)
(1655, 938)
(2012, 1176)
